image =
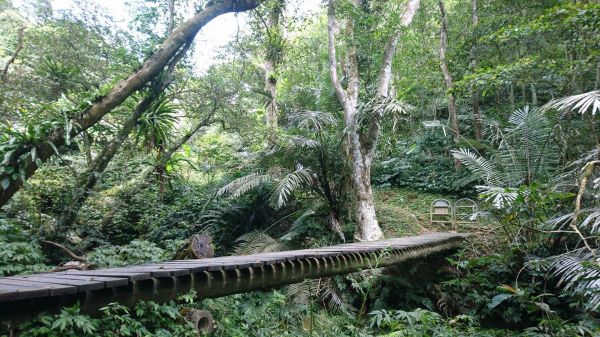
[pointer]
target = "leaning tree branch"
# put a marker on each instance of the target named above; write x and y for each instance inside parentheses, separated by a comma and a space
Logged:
(385, 73)
(57, 137)
(335, 80)
(13, 57)
(587, 171)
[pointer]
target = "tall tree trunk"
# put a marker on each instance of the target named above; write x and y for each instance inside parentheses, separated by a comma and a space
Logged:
(452, 115)
(474, 91)
(118, 94)
(360, 148)
(534, 100)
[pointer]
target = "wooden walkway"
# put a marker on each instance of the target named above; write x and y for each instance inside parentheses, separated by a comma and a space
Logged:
(211, 277)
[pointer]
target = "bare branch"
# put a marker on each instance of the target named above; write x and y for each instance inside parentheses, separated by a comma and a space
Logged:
(66, 250)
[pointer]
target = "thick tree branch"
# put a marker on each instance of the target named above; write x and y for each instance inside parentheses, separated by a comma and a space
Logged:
(385, 74)
(87, 180)
(119, 93)
(14, 56)
(339, 90)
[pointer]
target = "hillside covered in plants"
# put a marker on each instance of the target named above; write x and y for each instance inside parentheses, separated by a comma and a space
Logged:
(129, 127)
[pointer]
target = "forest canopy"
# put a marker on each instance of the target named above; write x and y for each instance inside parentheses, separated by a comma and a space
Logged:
(128, 129)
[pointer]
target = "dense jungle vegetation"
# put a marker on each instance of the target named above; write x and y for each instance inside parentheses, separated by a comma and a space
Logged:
(320, 122)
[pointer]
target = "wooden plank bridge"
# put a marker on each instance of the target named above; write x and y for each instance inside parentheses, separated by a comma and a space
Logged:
(24, 296)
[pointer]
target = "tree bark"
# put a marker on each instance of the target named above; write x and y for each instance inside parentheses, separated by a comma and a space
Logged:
(511, 96)
(452, 115)
(360, 148)
(271, 60)
(534, 100)
(474, 91)
(118, 94)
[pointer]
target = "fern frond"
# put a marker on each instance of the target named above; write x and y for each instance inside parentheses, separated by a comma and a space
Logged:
(500, 197)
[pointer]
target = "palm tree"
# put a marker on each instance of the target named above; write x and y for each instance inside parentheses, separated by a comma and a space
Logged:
(525, 152)
(307, 155)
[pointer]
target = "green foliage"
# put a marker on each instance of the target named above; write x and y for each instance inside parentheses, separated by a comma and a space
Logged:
(421, 323)
(145, 319)
(422, 164)
(272, 314)
(135, 252)
(20, 252)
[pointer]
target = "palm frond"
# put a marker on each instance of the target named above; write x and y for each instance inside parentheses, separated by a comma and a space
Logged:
(324, 290)
(479, 166)
(500, 197)
(591, 221)
(378, 107)
(257, 242)
(580, 103)
(288, 184)
(242, 185)
(579, 272)
(312, 120)
(304, 142)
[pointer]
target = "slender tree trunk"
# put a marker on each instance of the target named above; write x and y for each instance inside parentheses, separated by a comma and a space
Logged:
(119, 93)
(452, 114)
(534, 100)
(360, 147)
(474, 91)
(273, 30)
(511, 97)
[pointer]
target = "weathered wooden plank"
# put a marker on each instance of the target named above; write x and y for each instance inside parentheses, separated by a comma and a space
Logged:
(8, 293)
(79, 284)
(132, 276)
(108, 281)
(68, 282)
(52, 289)
(155, 271)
